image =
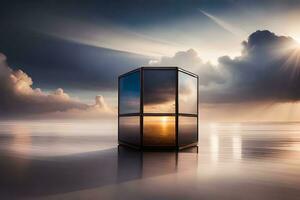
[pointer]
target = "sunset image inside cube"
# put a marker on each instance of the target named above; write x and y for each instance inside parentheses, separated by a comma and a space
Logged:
(158, 108)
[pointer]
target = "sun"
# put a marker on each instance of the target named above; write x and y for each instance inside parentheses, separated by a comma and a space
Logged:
(164, 120)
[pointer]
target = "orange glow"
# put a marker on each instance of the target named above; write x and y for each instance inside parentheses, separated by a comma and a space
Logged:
(164, 121)
(159, 131)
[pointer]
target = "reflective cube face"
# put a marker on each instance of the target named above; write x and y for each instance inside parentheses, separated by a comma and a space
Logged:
(129, 130)
(187, 130)
(159, 91)
(130, 92)
(159, 131)
(187, 91)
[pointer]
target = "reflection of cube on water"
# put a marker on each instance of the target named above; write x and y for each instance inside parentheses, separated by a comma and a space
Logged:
(158, 108)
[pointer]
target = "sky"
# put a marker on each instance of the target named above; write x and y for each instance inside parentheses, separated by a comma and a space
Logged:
(63, 58)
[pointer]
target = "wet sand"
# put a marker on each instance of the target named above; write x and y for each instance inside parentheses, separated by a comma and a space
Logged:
(232, 161)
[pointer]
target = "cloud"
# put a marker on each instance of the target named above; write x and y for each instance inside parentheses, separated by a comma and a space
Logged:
(267, 70)
(191, 61)
(99, 110)
(18, 98)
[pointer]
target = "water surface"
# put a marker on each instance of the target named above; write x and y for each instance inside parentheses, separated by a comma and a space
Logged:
(81, 160)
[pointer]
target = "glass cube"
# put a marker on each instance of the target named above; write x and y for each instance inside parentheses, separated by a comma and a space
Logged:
(158, 108)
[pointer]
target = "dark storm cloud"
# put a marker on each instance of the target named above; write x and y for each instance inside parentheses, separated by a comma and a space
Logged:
(267, 70)
(55, 62)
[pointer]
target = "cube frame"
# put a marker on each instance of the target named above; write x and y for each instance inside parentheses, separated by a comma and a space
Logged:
(141, 113)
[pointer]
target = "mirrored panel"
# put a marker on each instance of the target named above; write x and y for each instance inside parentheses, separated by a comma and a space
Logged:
(130, 93)
(187, 91)
(129, 130)
(159, 91)
(187, 130)
(159, 131)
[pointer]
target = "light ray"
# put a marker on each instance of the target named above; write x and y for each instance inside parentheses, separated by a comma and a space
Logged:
(293, 63)
(228, 27)
(110, 36)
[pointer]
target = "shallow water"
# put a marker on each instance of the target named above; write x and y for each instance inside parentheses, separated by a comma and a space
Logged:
(81, 160)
